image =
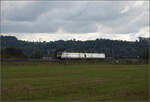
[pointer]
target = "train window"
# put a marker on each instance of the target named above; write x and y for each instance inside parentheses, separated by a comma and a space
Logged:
(85, 55)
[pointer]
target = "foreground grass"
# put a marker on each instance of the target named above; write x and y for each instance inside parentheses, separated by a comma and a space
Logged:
(76, 82)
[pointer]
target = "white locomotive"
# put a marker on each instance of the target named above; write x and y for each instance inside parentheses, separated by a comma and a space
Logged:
(75, 55)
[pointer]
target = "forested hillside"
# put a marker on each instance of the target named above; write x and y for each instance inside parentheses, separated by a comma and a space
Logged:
(112, 48)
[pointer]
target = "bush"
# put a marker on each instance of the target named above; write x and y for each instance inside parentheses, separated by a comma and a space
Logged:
(9, 53)
(146, 55)
(36, 55)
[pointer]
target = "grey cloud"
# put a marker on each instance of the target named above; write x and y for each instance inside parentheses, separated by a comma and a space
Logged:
(72, 17)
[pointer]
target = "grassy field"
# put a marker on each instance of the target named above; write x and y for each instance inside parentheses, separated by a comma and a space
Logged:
(26, 81)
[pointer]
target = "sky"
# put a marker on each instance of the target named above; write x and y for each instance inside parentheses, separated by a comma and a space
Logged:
(80, 20)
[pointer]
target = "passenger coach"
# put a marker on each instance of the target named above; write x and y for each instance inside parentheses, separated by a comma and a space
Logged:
(75, 55)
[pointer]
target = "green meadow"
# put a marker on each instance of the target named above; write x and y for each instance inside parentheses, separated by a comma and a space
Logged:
(45, 81)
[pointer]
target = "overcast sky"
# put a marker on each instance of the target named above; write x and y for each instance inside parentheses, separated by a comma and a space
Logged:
(82, 20)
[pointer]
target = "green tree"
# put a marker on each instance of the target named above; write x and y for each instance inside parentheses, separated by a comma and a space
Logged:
(146, 55)
(12, 53)
(36, 55)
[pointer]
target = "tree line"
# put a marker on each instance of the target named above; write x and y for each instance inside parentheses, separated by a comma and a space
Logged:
(112, 48)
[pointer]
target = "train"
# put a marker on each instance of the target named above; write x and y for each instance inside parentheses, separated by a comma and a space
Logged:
(76, 55)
